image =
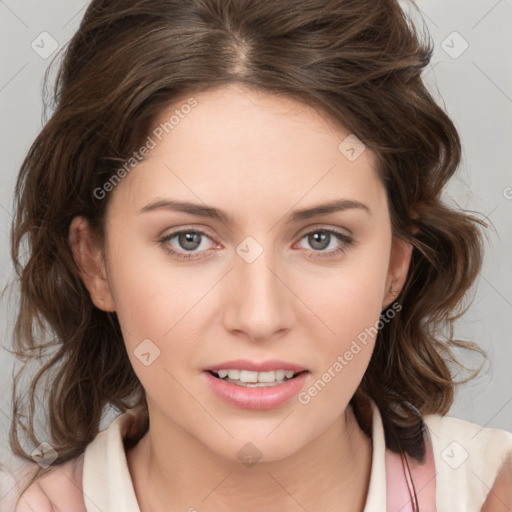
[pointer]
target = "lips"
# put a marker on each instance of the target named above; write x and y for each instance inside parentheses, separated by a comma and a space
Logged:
(255, 398)
(256, 366)
(248, 389)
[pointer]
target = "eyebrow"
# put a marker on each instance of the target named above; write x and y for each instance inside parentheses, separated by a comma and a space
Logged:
(215, 213)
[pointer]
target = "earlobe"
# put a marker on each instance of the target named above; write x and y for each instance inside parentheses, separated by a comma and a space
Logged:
(399, 261)
(88, 256)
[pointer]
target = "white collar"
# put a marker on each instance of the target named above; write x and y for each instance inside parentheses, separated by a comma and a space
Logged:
(107, 484)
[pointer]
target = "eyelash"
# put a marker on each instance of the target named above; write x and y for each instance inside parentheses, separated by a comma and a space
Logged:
(347, 241)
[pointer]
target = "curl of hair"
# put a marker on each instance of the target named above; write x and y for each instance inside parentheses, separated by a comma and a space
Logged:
(360, 62)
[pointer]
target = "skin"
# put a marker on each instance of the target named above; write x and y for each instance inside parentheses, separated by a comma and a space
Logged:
(258, 156)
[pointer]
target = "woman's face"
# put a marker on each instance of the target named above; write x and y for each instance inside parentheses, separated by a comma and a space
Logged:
(269, 284)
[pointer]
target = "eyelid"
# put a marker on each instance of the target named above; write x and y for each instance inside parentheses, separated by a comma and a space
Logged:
(200, 231)
(324, 227)
(172, 232)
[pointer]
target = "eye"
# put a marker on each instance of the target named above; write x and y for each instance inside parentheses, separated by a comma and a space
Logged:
(320, 239)
(188, 240)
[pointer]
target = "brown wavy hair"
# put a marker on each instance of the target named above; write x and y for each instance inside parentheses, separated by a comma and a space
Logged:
(360, 61)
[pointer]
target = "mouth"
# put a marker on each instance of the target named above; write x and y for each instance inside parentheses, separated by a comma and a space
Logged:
(256, 386)
(255, 379)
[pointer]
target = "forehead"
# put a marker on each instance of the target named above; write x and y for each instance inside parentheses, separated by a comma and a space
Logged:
(240, 144)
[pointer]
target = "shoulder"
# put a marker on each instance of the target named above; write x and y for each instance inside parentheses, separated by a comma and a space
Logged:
(473, 459)
(58, 489)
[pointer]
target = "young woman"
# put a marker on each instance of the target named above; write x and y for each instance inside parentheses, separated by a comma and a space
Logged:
(235, 237)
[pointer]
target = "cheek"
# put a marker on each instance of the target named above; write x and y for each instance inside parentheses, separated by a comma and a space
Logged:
(148, 292)
(157, 316)
(348, 303)
(351, 310)
(162, 302)
(349, 299)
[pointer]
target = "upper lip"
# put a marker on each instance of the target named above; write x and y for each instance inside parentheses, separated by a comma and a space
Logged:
(256, 366)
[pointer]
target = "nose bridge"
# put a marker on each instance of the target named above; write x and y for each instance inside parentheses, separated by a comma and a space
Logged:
(260, 300)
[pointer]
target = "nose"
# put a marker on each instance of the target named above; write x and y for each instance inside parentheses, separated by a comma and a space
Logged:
(260, 302)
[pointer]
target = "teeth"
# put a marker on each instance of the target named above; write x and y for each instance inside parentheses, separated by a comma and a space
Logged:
(247, 376)
(234, 374)
(268, 376)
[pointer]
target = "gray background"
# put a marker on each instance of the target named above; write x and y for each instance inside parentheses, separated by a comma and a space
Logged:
(475, 88)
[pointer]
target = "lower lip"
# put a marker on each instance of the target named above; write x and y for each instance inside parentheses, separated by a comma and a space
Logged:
(258, 398)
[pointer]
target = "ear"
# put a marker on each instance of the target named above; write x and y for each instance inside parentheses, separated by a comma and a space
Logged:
(88, 256)
(399, 261)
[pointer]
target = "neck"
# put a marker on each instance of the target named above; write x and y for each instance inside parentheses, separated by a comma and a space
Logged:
(173, 471)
